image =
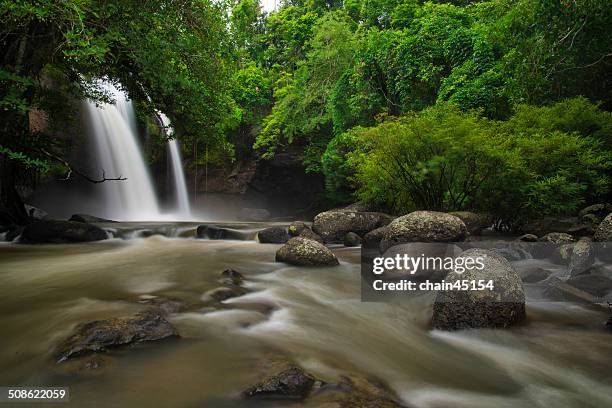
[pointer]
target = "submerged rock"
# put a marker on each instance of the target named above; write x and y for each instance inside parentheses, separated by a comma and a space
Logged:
(88, 218)
(224, 293)
(352, 240)
(291, 383)
(533, 274)
(232, 277)
(356, 392)
(305, 252)
(52, 231)
(593, 284)
(332, 226)
(163, 304)
(604, 230)
(215, 232)
(464, 309)
(423, 226)
(273, 235)
(101, 335)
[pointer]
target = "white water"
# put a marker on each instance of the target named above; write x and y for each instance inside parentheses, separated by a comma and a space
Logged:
(119, 155)
(180, 187)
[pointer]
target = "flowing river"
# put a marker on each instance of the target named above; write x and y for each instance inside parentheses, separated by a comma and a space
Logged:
(314, 316)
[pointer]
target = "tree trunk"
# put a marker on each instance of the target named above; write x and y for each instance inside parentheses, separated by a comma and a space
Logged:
(12, 210)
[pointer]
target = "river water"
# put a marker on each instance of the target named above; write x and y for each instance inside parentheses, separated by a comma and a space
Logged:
(560, 358)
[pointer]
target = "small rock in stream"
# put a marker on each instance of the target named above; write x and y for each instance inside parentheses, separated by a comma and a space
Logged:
(232, 277)
(352, 240)
(292, 383)
(273, 235)
(165, 305)
(101, 335)
(224, 293)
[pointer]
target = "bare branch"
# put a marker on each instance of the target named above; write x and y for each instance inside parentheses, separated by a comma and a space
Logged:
(72, 170)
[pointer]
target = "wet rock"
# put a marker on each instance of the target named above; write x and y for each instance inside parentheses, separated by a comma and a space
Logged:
(296, 228)
(52, 231)
(292, 383)
(604, 230)
(233, 277)
(359, 206)
(224, 293)
(165, 305)
(372, 239)
(13, 233)
(310, 234)
(557, 238)
(528, 238)
(545, 225)
(35, 212)
(88, 218)
(356, 392)
(101, 335)
(502, 307)
(474, 223)
(434, 271)
(514, 251)
(332, 226)
(254, 214)
(305, 252)
(582, 257)
(595, 213)
(215, 232)
(423, 226)
(533, 274)
(593, 284)
(273, 235)
(352, 240)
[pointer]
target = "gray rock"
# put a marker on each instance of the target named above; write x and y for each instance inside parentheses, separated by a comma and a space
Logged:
(52, 231)
(296, 228)
(528, 238)
(582, 257)
(310, 234)
(164, 305)
(224, 293)
(215, 232)
(273, 235)
(604, 230)
(352, 240)
(88, 218)
(594, 284)
(533, 274)
(35, 212)
(545, 225)
(232, 277)
(423, 226)
(332, 226)
(254, 214)
(557, 238)
(292, 383)
(474, 223)
(502, 307)
(305, 252)
(101, 335)
(372, 239)
(597, 211)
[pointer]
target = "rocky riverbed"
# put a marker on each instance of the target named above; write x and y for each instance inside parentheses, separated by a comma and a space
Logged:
(189, 315)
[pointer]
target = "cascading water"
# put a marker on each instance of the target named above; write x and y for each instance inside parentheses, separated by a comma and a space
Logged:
(114, 131)
(180, 187)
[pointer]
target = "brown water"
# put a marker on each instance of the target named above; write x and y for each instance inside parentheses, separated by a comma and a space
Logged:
(560, 358)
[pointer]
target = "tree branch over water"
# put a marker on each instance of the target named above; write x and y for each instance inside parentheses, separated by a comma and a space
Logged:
(72, 170)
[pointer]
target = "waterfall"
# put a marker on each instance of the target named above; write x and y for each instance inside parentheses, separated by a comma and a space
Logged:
(113, 127)
(180, 187)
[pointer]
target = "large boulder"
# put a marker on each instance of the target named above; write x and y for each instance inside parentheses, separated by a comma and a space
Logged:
(101, 335)
(296, 228)
(332, 226)
(423, 226)
(595, 212)
(582, 257)
(53, 231)
(372, 239)
(310, 234)
(604, 230)
(474, 223)
(88, 218)
(464, 309)
(273, 235)
(305, 252)
(291, 383)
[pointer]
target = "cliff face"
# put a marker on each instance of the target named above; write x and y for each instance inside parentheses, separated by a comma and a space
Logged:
(280, 184)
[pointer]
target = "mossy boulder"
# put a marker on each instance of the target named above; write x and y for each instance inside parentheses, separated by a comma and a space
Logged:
(306, 252)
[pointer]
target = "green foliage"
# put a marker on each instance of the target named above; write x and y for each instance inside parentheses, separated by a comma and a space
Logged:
(443, 159)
